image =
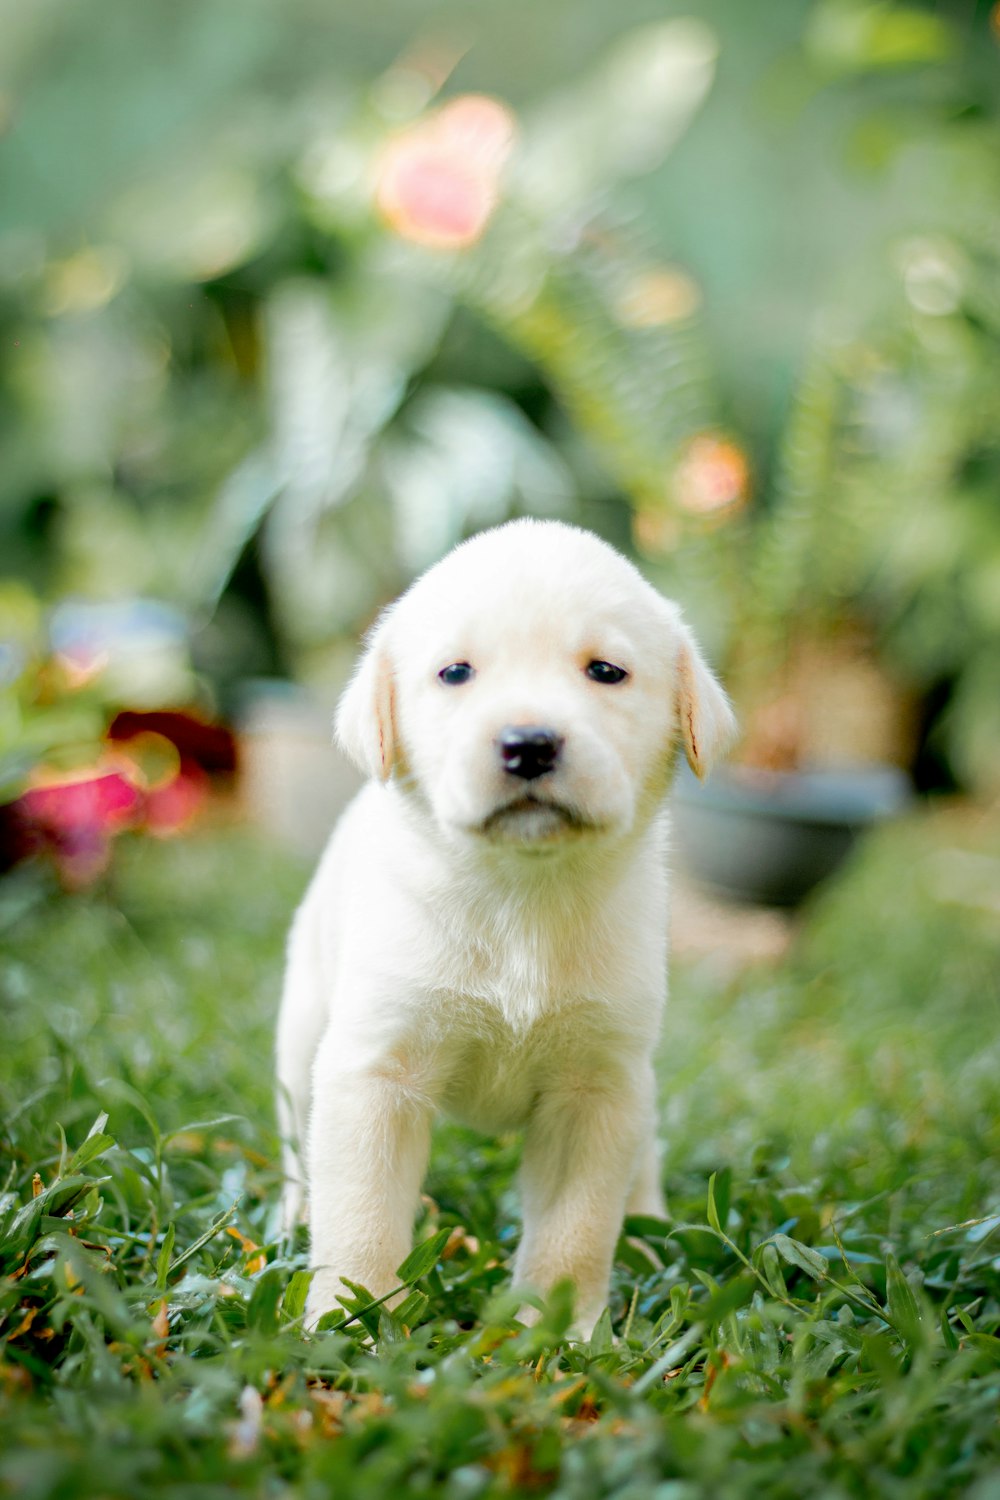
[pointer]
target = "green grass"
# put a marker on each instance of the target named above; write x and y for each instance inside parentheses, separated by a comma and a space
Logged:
(817, 1318)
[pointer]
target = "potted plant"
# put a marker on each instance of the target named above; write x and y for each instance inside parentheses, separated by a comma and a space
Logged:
(865, 588)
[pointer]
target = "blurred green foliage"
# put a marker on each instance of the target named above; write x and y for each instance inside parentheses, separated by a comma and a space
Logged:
(229, 385)
(39, 714)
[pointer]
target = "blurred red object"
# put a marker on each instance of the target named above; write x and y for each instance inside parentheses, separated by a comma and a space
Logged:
(173, 800)
(210, 746)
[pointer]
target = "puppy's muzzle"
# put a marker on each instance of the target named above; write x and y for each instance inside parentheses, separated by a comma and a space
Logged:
(528, 750)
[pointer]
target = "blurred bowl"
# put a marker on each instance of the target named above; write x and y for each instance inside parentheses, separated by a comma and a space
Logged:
(770, 837)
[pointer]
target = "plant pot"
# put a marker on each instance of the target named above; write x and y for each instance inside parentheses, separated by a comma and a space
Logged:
(771, 836)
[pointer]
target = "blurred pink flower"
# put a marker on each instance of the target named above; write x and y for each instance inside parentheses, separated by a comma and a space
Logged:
(438, 181)
(174, 785)
(173, 806)
(75, 818)
(713, 475)
(656, 531)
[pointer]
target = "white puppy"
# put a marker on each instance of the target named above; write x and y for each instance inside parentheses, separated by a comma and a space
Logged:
(486, 934)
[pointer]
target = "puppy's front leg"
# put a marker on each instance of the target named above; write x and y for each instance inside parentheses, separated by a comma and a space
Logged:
(581, 1151)
(369, 1137)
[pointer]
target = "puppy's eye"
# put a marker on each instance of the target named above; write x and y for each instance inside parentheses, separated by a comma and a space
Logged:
(605, 671)
(456, 674)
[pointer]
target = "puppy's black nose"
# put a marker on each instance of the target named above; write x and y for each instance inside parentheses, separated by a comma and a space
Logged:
(528, 751)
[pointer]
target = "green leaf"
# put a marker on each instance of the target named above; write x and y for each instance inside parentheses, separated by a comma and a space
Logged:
(411, 1309)
(361, 1307)
(330, 1322)
(55, 1201)
(357, 1298)
(901, 1305)
(390, 1330)
(645, 1227)
(880, 1353)
(713, 1212)
(163, 1259)
(963, 1317)
(726, 1299)
(723, 1194)
(601, 1340)
(708, 1281)
(203, 1239)
(770, 1267)
(680, 1298)
(92, 1147)
(987, 1344)
(797, 1254)
(637, 1258)
(262, 1310)
(293, 1303)
(669, 1359)
(198, 1125)
(947, 1332)
(423, 1258)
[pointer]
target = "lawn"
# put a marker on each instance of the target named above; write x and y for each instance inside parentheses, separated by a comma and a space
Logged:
(818, 1317)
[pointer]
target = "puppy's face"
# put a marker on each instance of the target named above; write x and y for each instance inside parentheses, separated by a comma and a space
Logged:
(531, 688)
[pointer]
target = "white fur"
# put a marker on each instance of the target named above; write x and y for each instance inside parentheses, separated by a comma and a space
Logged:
(464, 950)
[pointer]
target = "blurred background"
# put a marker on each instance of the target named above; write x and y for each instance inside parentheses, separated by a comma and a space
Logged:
(294, 297)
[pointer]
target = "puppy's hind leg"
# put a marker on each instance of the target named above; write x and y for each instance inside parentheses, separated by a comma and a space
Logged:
(646, 1198)
(301, 1022)
(646, 1193)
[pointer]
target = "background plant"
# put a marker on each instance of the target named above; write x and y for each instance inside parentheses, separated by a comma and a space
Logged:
(225, 371)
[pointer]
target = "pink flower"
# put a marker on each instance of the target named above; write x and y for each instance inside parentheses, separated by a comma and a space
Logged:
(173, 806)
(160, 754)
(75, 818)
(438, 181)
(713, 475)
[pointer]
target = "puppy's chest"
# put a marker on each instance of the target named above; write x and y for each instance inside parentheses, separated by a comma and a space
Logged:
(487, 1068)
(507, 1000)
(520, 966)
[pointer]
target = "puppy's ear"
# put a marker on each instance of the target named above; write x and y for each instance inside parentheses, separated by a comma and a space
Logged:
(365, 721)
(707, 722)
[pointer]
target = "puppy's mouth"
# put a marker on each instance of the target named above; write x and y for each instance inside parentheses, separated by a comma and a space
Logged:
(532, 820)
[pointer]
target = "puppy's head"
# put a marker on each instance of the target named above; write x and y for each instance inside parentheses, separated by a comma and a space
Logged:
(530, 690)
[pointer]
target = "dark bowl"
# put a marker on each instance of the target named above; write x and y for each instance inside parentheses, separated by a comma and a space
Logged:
(771, 836)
